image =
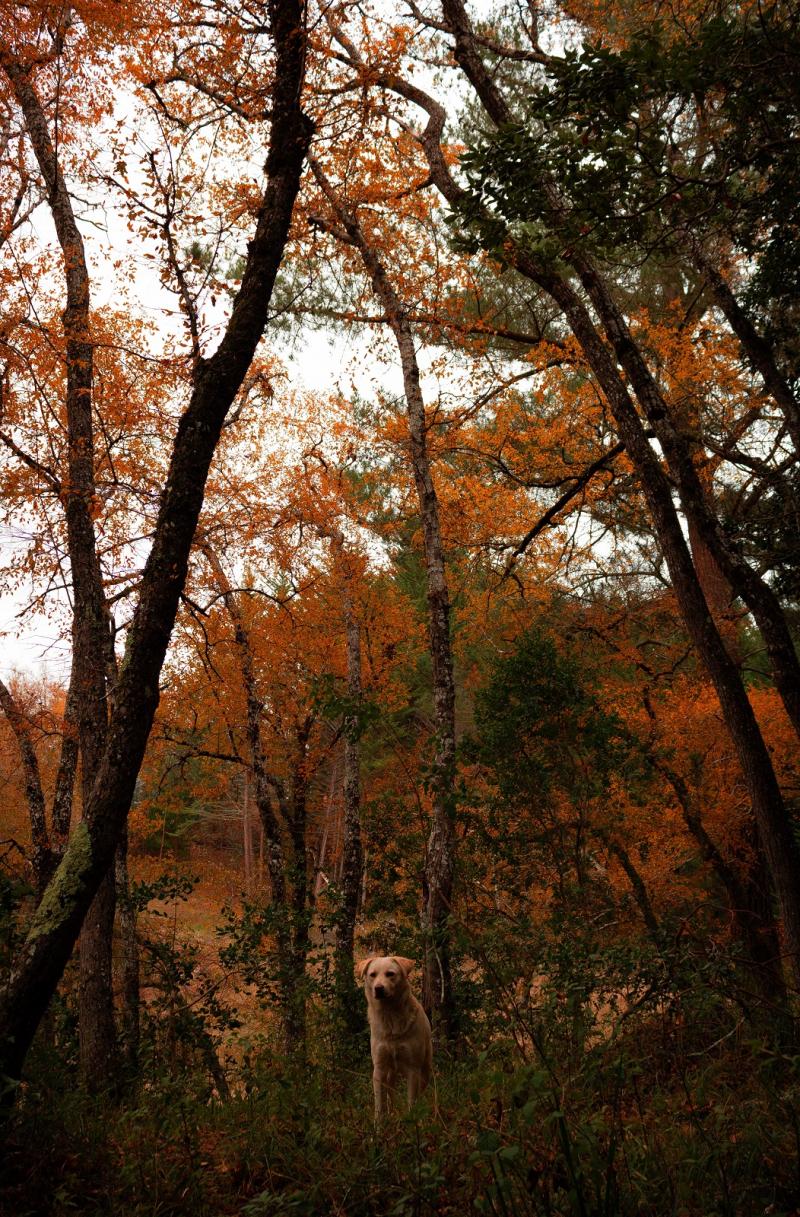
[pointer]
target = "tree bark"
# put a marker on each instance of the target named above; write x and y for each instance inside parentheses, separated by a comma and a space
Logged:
(97, 1033)
(64, 791)
(216, 380)
(130, 966)
(638, 888)
(749, 900)
(744, 581)
(247, 836)
(352, 852)
(297, 818)
(774, 826)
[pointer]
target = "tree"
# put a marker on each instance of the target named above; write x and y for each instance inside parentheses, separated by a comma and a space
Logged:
(538, 262)
(214, 383)
(440, 858)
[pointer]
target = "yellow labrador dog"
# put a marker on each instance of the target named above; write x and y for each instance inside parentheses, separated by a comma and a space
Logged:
(400, 1034)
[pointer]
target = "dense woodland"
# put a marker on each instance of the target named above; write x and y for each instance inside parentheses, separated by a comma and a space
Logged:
(399, 425)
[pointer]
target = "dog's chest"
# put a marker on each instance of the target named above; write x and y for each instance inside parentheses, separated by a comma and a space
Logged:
(393, 1041)
(393, 1054)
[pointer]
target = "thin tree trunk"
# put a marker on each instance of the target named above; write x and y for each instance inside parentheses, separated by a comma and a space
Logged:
(64, 791)
(89, 633)
(744, 581)
(262, 791)
(41, 851)
(638, 888)
(440, 858)
(769, 809)
(301, 911)
(757, 350)
(247, 836)
(352, 853)
(749, 900)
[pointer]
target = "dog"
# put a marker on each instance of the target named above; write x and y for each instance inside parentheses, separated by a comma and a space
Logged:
(400, 1034)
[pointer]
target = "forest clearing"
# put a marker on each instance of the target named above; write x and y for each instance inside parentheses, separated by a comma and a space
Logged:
(399, 599)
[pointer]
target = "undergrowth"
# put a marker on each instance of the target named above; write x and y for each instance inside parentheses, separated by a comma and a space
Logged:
(591, 1077)
(637, 1128)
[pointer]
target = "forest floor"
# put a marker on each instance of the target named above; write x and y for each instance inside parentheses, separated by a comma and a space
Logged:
(684, 1111)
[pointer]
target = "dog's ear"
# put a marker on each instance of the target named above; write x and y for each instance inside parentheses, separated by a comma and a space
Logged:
(405, 964)
(363, 964)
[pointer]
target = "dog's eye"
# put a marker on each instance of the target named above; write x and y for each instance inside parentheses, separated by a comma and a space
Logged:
(391, 973)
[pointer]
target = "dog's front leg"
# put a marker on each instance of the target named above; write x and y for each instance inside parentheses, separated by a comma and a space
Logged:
(380, 1089)
(416, 1085)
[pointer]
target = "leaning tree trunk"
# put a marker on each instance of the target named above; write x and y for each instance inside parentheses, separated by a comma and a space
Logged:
(749, 898)
(749, 901)
(774, 827)
(41, 959)
(744, 581)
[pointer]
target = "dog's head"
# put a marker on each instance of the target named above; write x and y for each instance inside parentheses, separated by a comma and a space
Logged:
(385, 976)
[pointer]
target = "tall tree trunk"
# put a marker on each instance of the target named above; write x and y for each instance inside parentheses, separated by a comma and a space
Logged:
(440, 857)
(64, 790)
(89, 632)
(352, 853)
(41, 959)
(773, 822)
(97, 1032)
(744, 581)
(351, 864)
(300, 904)
(247, 836)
